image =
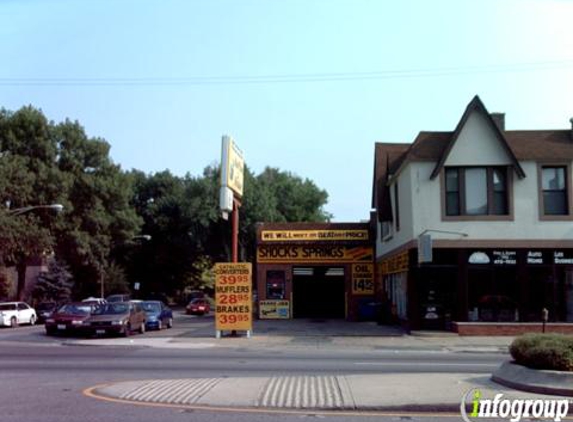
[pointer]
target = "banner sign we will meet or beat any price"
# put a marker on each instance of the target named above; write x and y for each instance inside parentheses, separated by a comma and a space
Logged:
(233, 297)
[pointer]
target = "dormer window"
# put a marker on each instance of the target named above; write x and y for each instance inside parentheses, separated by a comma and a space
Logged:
(476, 191)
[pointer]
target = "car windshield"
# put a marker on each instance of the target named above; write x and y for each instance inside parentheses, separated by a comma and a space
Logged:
(7, 307)
(151, 307)
(73, 309)
(112, 308)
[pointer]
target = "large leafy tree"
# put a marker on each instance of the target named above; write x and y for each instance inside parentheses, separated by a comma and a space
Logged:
(28, 176)
(188, 234)
(44, 163)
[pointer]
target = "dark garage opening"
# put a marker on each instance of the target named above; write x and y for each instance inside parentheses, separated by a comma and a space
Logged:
(318, 292)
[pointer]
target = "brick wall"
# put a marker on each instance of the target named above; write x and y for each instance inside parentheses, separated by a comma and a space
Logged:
(508, 329)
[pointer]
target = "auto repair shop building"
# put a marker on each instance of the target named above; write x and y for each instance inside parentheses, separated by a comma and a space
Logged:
(315, 270)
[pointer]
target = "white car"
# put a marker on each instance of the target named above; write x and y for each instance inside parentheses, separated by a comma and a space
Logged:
(14, 313)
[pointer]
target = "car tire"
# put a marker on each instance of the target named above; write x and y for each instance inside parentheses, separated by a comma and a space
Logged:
(50, 331)
(32, 320)
(142, 328)
(170, 323)
(126, 330)
(13, 322)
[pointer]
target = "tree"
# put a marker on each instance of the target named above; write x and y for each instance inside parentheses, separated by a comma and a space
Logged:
(42, 163)
(27, 177)
(188, 234)
(54, 285)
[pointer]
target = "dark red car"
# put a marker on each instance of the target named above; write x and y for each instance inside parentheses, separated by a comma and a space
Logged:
(69, 318)
(121, 318)
(198, 307)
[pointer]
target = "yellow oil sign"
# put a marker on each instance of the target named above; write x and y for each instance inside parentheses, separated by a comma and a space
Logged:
(362, 279)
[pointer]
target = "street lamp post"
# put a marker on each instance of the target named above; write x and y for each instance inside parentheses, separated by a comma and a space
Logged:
(21, 266)
(145, 237)
(22, 210)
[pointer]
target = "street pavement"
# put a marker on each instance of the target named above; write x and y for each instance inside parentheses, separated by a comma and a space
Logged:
(359, 392)
(371, 390)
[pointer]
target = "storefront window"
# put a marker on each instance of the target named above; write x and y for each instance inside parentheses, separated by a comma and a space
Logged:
(492, 294)
(276, 285)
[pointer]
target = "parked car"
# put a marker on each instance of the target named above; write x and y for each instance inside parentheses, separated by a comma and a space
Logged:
(116, 318)
(14, 313)
(45, 310)
(69, 318)
(198, 307)
(118, 298)
(94, 300)
(158, 315)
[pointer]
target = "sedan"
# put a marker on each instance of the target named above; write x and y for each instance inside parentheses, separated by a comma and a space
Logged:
(116, 318)
(158, 315)
(69, 318)
(198, 307)
(14, 313)
(45, 310)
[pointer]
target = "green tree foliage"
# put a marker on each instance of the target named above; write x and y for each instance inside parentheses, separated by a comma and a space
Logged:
(54, 285)
(44, 163)
(188, 234)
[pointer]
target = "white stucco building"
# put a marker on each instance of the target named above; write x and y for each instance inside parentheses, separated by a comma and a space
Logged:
(497, 206)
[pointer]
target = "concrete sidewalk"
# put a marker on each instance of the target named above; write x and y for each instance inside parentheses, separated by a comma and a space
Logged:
(404, 392)
(313, 334)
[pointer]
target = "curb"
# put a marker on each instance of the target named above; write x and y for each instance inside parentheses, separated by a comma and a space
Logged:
(512, 375)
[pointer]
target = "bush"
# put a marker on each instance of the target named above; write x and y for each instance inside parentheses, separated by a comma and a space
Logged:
(544, 351)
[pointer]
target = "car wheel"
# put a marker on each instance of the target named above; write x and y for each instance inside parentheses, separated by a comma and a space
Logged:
(170, 323)
(13, 322)
(50, 331)
(32, 320)
(142, 328)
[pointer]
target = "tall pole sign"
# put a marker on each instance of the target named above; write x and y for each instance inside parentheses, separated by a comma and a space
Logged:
(231, 192)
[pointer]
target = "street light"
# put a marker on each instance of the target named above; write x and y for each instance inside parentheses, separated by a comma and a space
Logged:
(22, 210)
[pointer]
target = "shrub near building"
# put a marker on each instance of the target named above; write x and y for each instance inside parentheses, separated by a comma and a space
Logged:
(544, 351)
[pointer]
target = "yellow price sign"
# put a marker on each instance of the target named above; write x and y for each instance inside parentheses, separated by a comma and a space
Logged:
(233, 296)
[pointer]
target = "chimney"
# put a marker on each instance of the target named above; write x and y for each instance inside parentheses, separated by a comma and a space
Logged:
(499, 120)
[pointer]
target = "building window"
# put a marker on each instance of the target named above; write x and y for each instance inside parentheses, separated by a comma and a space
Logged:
(476, 191)
(275, 285)
(554, 185)
(386, 230)
(397, 206)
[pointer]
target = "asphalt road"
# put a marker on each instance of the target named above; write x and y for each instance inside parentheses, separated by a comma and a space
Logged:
(43, 380)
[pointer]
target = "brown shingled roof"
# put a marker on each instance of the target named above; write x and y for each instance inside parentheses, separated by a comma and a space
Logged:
(394, 152)
(535, 145)
(525, 145)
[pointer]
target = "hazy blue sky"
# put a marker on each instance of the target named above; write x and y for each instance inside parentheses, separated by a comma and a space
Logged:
(304, 85)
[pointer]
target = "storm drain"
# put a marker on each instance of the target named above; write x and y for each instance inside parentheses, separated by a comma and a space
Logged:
(306, 392)
(185, 391)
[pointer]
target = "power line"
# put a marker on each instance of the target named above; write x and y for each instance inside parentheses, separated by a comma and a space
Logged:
(288, 78)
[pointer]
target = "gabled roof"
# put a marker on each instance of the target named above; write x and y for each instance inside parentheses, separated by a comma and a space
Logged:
(387, 156)
(524, 145)
(477, 106)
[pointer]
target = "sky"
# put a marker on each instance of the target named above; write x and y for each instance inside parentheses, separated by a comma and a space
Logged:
(307, 86)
